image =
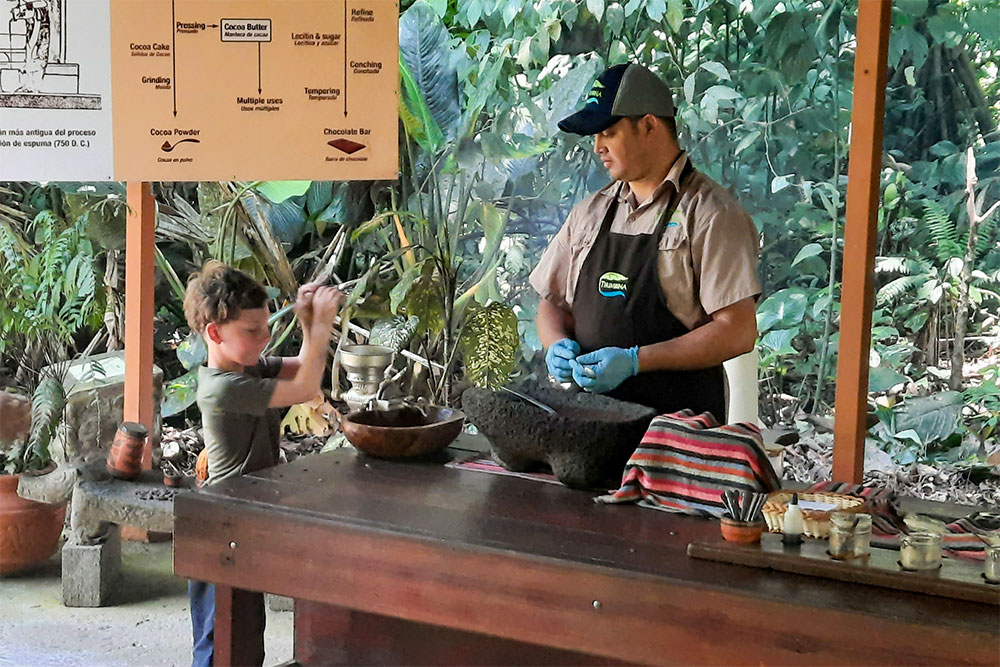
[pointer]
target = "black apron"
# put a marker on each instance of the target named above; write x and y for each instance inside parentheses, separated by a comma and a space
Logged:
(619, 303)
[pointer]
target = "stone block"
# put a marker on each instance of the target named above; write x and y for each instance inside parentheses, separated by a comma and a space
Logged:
(95, 399)
(90, 573)
(279, 602)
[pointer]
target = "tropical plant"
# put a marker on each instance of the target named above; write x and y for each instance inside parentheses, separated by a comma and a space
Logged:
(51, 284)
(47, 405)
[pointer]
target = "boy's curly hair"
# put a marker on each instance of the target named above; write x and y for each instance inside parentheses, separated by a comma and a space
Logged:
(218, 293)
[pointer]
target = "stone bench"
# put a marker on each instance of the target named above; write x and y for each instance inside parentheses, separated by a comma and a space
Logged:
(91, 558)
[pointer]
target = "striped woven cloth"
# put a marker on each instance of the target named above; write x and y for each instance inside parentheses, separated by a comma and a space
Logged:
(959, 542)
(685, 462)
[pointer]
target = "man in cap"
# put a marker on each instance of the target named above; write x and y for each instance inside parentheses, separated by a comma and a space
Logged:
(651, 282)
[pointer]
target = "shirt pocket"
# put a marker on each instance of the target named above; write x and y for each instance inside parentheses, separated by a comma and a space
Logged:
(676, 272)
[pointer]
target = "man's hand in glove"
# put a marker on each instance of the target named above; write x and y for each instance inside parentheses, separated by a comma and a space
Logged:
(558, 358)
(602, 370)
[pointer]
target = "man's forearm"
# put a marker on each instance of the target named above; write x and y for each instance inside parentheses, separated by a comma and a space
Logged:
(554, 323)
(728, 335)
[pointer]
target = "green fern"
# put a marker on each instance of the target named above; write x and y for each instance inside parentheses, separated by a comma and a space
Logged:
(906, 266)
(985, 240)
(895, 289)
(50, 282)
(944, 233)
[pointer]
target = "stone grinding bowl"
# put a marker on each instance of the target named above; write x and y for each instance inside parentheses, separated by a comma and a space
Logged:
(402, 432)
(587, 444)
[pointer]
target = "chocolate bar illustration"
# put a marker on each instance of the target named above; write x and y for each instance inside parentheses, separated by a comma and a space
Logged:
(346, 145)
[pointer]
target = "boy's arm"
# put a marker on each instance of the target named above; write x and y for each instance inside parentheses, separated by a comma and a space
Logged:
(303, 307)
(307, 369)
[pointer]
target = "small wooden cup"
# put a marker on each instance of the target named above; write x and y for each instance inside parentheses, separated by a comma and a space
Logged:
(744, 532)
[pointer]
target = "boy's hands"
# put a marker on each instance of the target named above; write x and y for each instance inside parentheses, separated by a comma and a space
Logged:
(325, 305)
(303, 304)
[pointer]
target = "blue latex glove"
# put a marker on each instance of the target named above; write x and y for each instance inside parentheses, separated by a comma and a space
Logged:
(602, 370)
(558, 358)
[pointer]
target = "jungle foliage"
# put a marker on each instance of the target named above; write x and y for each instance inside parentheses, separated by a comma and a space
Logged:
(763, 92)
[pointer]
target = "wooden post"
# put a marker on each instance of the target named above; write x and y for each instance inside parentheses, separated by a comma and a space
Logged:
(140, 265)
(858, 287)
(239, 627)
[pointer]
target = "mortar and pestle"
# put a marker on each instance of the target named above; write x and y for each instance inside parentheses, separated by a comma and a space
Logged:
(587, 438)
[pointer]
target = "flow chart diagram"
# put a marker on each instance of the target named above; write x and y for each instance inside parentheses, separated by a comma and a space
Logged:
(282, 89)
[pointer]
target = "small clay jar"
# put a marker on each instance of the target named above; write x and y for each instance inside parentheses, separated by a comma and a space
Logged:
(745, 532)
(125, 457)
(173, 480)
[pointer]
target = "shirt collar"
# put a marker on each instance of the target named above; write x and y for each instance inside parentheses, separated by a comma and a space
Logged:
(673, 178)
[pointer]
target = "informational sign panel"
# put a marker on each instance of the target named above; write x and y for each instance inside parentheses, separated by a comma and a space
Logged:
(202, 90)
(55, 90)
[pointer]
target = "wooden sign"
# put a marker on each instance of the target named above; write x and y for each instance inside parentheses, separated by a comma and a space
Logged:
(200, 90)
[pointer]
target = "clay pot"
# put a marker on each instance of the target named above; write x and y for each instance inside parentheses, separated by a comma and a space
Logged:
(125, 457)
(29, 531)
(745, 532)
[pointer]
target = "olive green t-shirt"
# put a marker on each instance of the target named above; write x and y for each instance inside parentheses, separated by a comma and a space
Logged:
(241, 433)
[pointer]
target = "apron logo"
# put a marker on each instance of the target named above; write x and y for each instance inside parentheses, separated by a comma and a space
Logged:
(613, 284)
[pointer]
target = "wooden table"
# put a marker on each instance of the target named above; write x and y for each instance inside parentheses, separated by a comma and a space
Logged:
(414, 563)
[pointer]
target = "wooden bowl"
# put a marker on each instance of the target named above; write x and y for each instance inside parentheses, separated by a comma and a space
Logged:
(744, 532)
(402, 432)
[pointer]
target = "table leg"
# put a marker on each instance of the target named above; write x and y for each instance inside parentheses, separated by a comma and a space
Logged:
(239, 627)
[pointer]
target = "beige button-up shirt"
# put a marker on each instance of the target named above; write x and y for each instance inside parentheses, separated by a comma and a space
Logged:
(708, 252)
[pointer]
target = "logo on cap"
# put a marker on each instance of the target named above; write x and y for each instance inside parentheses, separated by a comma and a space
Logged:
(613, 284)
(594, 96)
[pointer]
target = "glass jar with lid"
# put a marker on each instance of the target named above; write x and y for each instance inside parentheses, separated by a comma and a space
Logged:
(850, 535)
(920, 551)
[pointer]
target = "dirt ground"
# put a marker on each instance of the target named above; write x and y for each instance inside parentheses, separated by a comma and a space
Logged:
(149, 626)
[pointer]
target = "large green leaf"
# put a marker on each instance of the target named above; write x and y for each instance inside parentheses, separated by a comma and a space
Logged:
(424, 45)
(489, 345)
(807, 251)
(286, 219)
(933, 418)
(318, 197)
(778, 343)
(180, 393)
(423, 301)
(782, 310)
(399, 291)
(566, 93)
(883, 379)
(279, 191)
(415, 115)
(192, 351)
(394, 332)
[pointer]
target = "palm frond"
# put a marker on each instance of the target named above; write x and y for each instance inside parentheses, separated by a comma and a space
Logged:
(47, 404)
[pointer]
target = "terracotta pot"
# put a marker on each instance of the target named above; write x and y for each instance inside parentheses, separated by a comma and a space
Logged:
(125, 457)
(29, 531)
(746, 532)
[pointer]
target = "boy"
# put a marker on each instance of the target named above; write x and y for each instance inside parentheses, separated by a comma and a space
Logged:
(238, 389)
